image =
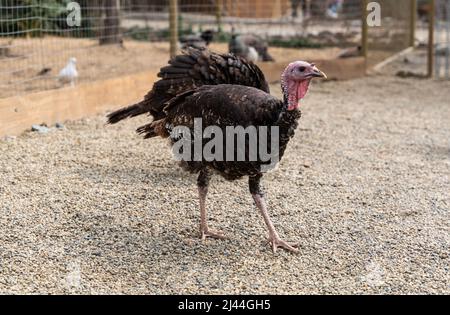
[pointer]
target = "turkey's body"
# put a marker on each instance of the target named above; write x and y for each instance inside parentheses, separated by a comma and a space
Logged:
(221, 92)
(225, 107)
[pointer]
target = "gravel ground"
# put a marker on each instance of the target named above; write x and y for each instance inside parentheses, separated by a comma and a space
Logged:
(364, 186)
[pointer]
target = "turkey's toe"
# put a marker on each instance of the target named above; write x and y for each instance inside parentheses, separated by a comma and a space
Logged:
(212, 234)
(279, 243)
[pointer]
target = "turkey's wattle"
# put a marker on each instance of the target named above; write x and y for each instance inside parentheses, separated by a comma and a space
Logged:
(295, 81)
(210, 86)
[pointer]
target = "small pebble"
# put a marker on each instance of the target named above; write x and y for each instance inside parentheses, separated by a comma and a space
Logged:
(60, 126)
(40, 129)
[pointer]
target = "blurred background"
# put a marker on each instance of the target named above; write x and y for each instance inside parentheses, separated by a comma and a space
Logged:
(118, 37)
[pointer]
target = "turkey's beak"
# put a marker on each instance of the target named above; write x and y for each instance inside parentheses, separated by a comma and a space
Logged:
(318, 74)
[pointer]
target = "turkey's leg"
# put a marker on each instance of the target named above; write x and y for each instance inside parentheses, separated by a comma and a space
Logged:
(274, 238)
(203, 183)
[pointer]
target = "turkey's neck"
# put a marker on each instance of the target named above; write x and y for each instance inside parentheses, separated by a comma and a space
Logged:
(288, 119)
(284, 89)
(287, 115)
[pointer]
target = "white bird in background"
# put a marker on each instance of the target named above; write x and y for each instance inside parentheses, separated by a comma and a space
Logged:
(252, 54)
(69, 74)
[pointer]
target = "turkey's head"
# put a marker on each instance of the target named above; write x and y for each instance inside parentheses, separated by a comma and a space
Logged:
(295, 81)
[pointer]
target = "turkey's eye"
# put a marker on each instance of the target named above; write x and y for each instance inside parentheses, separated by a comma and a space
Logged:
(302, 69)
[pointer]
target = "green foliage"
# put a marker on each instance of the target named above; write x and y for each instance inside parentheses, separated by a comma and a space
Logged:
(32, 17)
(223, 37)
(181, 27)
(147, 34)
(139, 33)
(188, 31)
(294, 43)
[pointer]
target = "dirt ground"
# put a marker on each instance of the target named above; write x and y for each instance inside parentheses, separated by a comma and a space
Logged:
(364, 186)
(19, 72)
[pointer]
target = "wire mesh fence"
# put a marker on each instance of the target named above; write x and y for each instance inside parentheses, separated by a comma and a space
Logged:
(266, 18)
(115, 38)
(119, 37)
(442, 39)
(39, 37)
(394, 33)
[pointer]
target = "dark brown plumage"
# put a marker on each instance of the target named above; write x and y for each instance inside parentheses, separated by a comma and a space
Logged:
(224, 91)
(222, 106)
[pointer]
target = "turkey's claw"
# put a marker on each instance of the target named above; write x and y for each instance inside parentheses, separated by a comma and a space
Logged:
(276, 243)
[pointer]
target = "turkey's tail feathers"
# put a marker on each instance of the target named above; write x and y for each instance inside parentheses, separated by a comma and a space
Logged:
(127, 112)
(154, 129)
(152, 104)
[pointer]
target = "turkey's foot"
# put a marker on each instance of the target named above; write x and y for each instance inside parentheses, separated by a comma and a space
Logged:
(277, 242)
(206, 233)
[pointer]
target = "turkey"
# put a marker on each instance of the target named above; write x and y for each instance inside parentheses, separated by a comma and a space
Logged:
(249, 46)
(222, 92)
(239, 48)
(350, 52)
(197, 41)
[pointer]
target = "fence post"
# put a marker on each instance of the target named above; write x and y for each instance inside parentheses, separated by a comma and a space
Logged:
(447, 39)
(364, 35)
(111, 27)
(173, 20)
(412, 39)
(219, 4)
(308, 8)
(431, 38)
